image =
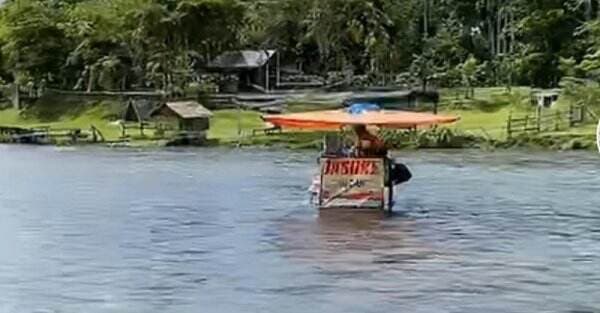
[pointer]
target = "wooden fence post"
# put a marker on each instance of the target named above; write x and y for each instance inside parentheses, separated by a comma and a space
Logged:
(509, 126)
(16, 99)
(591, 113)
(94, 134)
(571, 119)
(539, 119)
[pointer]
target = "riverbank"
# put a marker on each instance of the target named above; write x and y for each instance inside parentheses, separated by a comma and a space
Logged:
(482, 125)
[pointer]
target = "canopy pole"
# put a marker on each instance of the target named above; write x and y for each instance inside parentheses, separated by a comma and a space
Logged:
(267, 77)
(278, 69)
(239, 121)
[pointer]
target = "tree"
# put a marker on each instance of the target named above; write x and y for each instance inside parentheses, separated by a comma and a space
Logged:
(33, 43)
(352, 32)
(162, 44)
(546, 30)
(469, 74)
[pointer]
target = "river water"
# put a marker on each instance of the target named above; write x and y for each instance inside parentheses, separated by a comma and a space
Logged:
(98, 230)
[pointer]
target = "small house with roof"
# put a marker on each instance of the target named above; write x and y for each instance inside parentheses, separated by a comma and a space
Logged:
(544, 98)
(183, 116)
(139, 111)
(251, 68)
(188, 120)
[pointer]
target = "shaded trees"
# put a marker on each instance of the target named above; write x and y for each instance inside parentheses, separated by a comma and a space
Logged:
(162, 44)
(32, 39)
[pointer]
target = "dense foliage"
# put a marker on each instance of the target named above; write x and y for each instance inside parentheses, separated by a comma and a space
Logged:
(163, 44)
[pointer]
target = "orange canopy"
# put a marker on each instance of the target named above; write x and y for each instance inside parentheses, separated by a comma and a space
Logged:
(338, 118)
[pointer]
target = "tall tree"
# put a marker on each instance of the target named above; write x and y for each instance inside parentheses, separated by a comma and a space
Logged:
(33, 43)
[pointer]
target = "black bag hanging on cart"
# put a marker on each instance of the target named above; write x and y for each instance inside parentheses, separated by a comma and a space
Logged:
(400, 174)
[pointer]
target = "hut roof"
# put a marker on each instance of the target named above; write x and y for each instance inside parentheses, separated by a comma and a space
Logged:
(139, 110)
(242, 59)
(187, 109)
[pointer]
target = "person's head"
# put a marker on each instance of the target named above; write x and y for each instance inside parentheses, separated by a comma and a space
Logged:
(359, 128)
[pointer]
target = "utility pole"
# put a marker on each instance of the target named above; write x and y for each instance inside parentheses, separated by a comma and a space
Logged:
(278, 80)
(425, 19)
(499, 31)
(239, 121)
(491, 26)
(267, 76)
(17, 96)
(512, 44)
(588, 9)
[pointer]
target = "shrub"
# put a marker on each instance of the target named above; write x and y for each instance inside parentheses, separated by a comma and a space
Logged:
(444, 138)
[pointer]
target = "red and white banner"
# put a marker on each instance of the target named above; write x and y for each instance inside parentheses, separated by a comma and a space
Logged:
(352, 183)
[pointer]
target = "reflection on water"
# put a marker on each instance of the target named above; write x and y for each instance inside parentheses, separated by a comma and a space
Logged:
(93, 230)
(351, 241)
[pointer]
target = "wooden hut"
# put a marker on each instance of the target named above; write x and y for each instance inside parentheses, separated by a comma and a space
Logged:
(251, 67)
(139, 111)
(189, 119)
(544, 98)
(137, 116)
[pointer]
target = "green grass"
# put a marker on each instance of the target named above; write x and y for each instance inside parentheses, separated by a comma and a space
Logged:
(487, 113)
(481, 123)
(484, 115)
(224, 124)
(487, 94)
(84, 119)
(224, 127)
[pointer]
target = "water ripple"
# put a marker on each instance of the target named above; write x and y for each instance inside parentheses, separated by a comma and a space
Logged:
(219, 230)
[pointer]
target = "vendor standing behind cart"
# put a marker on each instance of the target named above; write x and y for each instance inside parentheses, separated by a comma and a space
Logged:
(368, 144)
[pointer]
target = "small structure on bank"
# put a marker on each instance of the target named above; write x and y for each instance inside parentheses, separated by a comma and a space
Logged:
(247, 70)
(137, 116)
(187, 121)
(138, 111)
(47, 135)
(544, 98)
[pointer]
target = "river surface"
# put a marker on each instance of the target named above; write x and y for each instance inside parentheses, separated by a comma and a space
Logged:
(97, 230)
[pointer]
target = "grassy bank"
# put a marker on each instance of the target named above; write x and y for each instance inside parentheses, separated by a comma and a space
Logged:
(100, 115)
(482, 124)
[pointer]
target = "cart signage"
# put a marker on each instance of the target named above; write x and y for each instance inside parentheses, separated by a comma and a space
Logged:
(353, 183)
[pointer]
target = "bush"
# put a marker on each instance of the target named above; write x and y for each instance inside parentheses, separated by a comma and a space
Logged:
(555, 142)
(443, 138)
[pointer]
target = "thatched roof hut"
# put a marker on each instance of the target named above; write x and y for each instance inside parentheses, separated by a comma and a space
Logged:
(241, 60)
(191, 115)
(188, 109)
(139, 110)
(247, 69)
